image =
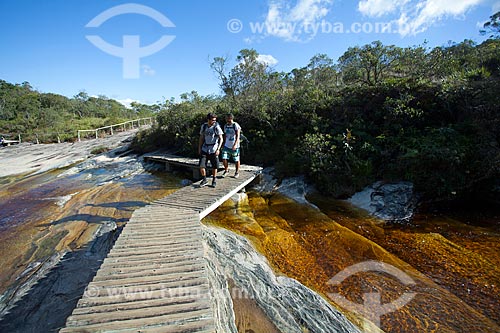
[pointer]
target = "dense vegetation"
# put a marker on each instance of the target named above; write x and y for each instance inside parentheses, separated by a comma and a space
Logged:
(46, 116)
(430, 116)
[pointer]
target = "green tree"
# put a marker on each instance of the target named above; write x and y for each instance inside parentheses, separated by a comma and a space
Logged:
(369, 64)
(492, 26)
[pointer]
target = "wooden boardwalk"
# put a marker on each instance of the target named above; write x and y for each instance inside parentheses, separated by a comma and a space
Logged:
(154, 279)
(171, 161)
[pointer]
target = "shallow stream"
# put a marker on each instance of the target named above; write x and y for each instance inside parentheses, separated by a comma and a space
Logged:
(49, 218)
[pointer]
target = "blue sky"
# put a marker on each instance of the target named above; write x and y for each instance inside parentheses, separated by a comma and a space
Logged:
(45, 43)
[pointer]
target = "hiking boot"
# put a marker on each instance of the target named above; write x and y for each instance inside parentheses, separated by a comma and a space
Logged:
(236, 175)
(204, 182)
(214, 182)
(225, 173)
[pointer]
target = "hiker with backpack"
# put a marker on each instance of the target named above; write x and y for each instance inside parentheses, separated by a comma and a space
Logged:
(209, 147)
(231, 149)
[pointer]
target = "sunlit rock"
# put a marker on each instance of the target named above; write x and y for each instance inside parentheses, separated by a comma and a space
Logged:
(387, 201)
(288, 304)
(268, 181)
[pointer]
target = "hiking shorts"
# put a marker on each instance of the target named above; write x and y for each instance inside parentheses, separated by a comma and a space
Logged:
(228, 153)
(205, 157)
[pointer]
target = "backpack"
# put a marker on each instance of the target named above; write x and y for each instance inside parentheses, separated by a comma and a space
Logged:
(242, 137)
(204, 128)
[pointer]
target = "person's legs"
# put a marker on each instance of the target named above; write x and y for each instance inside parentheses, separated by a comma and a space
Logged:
(236, 157)
(225, 160)
(214, 160)
(203, 173)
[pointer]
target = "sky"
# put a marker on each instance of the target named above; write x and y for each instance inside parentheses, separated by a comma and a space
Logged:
(150, 51)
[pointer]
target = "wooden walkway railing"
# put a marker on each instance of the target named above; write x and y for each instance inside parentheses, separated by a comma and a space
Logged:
(122, 126)
(155, 279)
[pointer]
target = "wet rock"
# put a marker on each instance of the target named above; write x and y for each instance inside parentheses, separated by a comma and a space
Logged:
(45, 301)
(289, 305)
(268, 181)
(395, 202)
(295, 188)
(239, 197)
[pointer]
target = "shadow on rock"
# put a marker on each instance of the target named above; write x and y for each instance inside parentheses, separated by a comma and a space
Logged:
(47, 305)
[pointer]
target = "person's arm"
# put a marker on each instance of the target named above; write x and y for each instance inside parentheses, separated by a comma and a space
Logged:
(220, 145)
(237, 138)
(224, 136)
(200, 143)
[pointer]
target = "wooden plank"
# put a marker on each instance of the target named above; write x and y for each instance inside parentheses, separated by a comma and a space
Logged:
(148, 280)
(146, 319)
(143, 280)
(158, 253)
(120, 298)
(136, 268)
(187, 251)
(109, 276)
(200, 326)
(160, 229)
(129, 302)
(106, 290)
(136, 243)
(203, 325)
(170, 233)
(148, 240)
(125, 263)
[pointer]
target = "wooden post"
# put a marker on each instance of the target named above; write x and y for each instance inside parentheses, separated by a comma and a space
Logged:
(79, 136)
(19, 135)
(96, 134)
(111, 127)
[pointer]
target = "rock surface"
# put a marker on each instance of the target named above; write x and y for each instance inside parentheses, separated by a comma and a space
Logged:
(291, 306)
(395, 202)
(37, 158)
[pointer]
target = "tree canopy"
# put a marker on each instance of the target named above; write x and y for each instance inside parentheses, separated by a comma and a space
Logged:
(48, 116)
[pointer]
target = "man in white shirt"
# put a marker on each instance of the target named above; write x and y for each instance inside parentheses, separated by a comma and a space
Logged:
(231, 150)
(209, 147)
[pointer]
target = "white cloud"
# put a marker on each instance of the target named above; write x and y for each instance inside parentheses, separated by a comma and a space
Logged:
(267, 59)
(293, 23)
(434, 11)
(147, 70)
(127, 101)
(377, 8)
(416, 16)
